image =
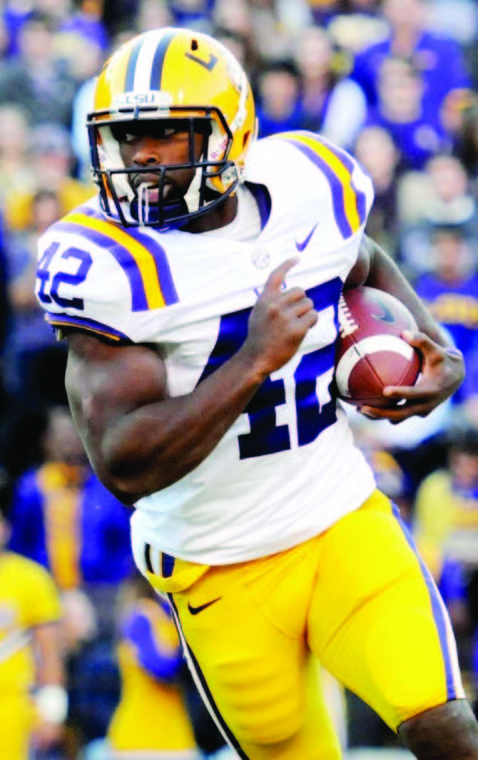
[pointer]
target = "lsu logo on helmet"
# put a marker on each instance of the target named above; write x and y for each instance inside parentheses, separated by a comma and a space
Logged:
(150, 98)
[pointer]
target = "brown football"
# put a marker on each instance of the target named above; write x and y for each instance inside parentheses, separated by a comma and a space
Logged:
(370, 354)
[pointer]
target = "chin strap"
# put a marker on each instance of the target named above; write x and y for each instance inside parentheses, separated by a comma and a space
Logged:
(143, 204)
(148, 215)
(192, 196)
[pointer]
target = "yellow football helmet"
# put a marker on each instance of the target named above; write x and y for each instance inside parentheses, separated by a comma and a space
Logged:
(166, 74)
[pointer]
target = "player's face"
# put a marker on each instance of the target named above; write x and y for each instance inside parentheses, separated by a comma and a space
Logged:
(151, 146)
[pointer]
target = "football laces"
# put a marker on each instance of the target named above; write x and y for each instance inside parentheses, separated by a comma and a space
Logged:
(347, 324)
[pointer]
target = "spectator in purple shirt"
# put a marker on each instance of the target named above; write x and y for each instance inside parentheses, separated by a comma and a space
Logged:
(417, 131)
(279, 102)
(440, 59)
(450, 289)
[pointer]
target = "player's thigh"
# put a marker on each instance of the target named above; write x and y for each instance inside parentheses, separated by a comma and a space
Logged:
(255, 679)
(376, 620)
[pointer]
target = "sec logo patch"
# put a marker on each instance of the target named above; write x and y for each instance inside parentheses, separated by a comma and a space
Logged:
(261, 258)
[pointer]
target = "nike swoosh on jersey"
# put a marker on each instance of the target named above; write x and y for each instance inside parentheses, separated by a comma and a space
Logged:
(197, 610)
(301, 246)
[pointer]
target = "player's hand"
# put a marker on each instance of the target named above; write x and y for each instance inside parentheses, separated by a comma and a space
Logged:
(279, 321)
(442, 373)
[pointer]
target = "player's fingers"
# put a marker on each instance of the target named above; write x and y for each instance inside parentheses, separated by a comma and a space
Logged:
(399, 414)
(409, 392)
(422, 342)
(405, 412)
(298, 302)
(373, 413)
(310, 318)
(277, 276)
(294, 295)
(304, 306)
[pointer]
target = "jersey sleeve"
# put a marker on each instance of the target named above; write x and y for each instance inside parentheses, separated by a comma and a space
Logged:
(334, 181)
(98, 276)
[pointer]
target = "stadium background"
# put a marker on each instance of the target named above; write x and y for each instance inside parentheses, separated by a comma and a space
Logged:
(395, 83)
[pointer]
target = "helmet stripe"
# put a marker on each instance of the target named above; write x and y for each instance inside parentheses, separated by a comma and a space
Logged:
(158, 60)
(145, 61)
(130, 71)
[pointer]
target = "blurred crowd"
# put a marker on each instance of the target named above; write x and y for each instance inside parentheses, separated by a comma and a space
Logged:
(392, 81)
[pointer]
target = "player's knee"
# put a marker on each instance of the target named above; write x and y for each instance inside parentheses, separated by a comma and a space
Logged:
(445, 732)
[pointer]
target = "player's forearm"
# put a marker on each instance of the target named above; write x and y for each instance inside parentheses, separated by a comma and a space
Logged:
(385, 275)
(51, 697)
(158, 443)
(49, 662)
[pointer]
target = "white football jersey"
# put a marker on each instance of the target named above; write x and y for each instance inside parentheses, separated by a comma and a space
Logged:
(287, 468)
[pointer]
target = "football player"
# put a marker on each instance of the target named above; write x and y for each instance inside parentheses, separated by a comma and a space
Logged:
(33, 698)
(198, 294)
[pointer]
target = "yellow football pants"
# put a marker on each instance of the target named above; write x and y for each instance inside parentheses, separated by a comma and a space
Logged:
(357, 598)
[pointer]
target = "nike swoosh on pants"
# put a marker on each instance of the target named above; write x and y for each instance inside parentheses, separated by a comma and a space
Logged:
(197, 610)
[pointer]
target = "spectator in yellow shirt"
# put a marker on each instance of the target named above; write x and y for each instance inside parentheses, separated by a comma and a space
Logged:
(33, 700)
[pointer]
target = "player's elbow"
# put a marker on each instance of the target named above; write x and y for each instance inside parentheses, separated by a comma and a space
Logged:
(123, 488)
(125, 493)
(132, 470)
(130, 476)
(118, 475)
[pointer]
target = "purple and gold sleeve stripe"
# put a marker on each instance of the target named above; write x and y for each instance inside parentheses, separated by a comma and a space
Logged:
(143, 260)
(349, 202)
(64, 320)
